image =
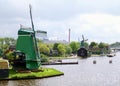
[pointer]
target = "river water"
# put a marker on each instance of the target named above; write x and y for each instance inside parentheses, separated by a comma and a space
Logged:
(85, 73)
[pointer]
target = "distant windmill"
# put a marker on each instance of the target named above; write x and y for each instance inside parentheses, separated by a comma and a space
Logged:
(83, 42)
(82, 52)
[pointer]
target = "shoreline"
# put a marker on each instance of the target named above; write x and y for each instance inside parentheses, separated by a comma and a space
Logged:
(47, 73)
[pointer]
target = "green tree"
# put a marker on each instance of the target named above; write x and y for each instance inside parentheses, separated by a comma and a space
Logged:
(61, 49)
(93, 45)
(55, 46)
(6, 42)
(1, 43)
(104, 47)
(75, 46)
(50, 46)
(68, 49)
(44, 49)
(101, 45)
(86, 44)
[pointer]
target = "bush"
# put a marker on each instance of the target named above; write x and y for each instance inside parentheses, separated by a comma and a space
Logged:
(44, 58)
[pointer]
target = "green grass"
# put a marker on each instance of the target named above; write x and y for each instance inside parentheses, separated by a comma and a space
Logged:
(47, 72)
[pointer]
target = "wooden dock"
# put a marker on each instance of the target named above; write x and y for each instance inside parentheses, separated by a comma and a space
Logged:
(59, 63)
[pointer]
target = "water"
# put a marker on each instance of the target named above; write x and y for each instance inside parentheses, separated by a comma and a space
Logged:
(85, 73)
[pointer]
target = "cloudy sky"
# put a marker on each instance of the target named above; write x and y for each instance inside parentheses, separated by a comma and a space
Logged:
(97, 20)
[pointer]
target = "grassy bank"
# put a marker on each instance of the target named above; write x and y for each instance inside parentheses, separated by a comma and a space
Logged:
(46, 72)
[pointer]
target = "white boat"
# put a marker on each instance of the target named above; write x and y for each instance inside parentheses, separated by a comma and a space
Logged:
(111, 55)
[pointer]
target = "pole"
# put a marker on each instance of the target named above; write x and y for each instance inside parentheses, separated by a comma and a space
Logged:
(69, 36)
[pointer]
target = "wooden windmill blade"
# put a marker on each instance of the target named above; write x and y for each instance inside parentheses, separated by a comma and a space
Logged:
(83, 37)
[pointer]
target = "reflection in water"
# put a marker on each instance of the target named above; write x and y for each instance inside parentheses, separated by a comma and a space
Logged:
(24, 83)
(3, 83)
(85, 73)
(30, 82)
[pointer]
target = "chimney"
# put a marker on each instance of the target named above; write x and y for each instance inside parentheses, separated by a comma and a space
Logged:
(69, 36)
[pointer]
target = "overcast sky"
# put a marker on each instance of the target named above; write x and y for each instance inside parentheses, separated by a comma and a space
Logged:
(97, 20)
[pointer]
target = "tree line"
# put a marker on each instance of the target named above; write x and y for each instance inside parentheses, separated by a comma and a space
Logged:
(58, 49)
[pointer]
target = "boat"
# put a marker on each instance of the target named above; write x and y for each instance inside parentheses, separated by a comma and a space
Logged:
(111, 55)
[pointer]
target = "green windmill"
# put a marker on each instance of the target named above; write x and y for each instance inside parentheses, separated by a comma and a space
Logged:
(82, 44)
(82, 51)
(26, 55)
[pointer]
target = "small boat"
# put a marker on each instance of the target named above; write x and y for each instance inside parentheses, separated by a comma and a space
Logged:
(111, 55)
